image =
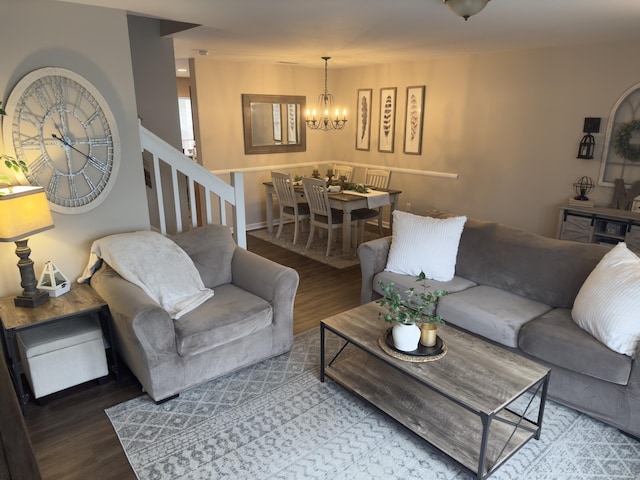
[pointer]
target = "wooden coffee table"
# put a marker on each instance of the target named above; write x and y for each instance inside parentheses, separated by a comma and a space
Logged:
(462, 404)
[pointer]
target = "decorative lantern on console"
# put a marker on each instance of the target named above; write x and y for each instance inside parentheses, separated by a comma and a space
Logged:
(588, 143)
(582, 186)
(53, 280)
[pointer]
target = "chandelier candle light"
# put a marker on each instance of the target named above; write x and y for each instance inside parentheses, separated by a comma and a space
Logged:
(325, 106)
(465, 8)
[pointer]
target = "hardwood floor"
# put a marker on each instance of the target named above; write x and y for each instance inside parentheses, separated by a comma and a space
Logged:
(71, 434)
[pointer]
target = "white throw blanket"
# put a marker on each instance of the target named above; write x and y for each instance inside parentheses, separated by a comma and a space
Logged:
(154, 263)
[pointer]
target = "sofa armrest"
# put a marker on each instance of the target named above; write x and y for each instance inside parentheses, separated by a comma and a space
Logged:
(373, 259)
(138, 319)
(273, 282)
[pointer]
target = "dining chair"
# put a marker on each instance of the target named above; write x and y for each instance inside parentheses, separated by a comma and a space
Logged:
(291, 206)
(342, 170)
(374, 178)
(322, 215)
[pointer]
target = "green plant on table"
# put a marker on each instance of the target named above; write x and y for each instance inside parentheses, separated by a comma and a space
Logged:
(11, 163)
(418, 306)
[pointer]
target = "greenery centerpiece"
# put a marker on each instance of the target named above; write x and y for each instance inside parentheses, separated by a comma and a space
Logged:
(418, 307)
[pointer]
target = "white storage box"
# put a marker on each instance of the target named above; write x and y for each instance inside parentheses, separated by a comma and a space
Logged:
(62, 354)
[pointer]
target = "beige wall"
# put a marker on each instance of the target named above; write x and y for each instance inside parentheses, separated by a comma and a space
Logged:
(509, 124)
(94, 43)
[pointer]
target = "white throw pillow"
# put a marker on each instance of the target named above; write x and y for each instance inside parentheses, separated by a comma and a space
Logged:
(608, 303)
(425, 244)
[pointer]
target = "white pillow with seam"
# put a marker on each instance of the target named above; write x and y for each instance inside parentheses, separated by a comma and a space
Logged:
(608, 303)
(425, 244)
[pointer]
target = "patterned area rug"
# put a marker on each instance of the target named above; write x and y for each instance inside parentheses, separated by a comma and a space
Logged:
(318, 247)
(275, 420)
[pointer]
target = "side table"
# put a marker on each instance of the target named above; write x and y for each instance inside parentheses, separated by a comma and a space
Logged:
(80, 300)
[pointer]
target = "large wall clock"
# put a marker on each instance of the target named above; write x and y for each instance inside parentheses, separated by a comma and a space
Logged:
(61, 126)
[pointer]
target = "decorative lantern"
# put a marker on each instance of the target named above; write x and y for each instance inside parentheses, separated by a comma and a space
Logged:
(53, 281)
(588, 143)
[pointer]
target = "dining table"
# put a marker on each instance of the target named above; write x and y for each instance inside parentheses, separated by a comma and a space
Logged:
(347, 201)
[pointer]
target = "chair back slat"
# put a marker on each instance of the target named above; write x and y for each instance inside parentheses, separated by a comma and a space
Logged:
(283, 186)
(377, 178)
(315, 189)
(342, 171)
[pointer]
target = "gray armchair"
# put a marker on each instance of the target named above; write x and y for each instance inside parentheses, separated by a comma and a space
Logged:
(249, 318)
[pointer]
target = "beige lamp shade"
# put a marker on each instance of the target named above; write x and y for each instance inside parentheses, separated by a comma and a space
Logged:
(24, 211)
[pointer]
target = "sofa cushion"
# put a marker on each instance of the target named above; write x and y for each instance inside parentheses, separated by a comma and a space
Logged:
(231, 314)
(211, 248)
(405, 282)
(608, 303)
(543, 269)
(556, 339)
(490, 312)
(424, 244)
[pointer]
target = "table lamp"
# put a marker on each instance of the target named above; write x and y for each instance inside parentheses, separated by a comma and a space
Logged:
(24, 211)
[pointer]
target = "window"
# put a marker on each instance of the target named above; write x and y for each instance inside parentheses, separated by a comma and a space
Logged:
(614, 166)
(186, 127)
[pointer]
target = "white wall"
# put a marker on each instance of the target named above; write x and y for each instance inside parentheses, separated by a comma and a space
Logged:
(93, 42)
(509, 124)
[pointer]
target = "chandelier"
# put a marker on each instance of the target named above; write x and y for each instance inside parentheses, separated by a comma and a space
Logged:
(321, 118)
(466, 8)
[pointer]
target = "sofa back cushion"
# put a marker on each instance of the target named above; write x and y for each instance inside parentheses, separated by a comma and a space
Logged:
(211, 248)
(540, 268)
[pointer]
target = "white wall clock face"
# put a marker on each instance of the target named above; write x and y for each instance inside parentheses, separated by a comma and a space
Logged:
(60, 125)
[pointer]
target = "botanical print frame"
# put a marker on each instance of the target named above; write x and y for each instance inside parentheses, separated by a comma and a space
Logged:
(363, 119)
(387, 130)
(292, 122)
(414, 120)
(277, 122)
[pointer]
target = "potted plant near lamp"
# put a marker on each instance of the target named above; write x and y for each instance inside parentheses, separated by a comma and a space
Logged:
(419, 307)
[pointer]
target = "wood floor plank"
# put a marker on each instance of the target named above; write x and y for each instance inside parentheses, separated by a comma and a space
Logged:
(72, 436)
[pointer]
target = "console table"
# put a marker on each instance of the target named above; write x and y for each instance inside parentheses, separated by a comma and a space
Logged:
(606, 226)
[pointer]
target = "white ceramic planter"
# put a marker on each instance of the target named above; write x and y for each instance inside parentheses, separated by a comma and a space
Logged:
(405, 337)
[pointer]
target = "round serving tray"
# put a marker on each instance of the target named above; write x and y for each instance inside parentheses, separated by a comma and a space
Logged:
(421, 354)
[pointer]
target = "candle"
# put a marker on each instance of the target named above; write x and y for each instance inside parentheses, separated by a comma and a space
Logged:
(428, 334)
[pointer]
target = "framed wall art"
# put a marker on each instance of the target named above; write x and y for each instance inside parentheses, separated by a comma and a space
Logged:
(292, 123)
(277, 122)
(363, 119)
(414, 120)
(386, 135)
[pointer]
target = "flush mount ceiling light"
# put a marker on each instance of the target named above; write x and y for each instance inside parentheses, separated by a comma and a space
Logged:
(321, 118)
(465, 8)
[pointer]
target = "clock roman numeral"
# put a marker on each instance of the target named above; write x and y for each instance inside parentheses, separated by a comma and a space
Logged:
(93, 161)
(90, 120)
(89, 182)
(27, 115)
(72, 187)
(37, 167)
(30, 142)
(42, 96)
(54, 184)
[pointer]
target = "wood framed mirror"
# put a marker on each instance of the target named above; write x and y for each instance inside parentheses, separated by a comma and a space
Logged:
(273, 123)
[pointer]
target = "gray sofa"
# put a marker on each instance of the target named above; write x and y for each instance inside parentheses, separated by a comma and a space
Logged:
(249, 318)
(517, 289)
